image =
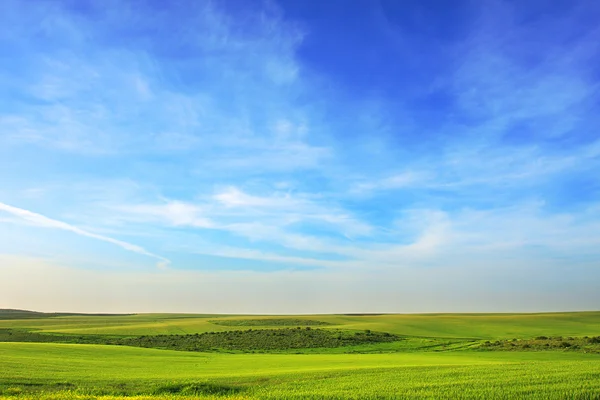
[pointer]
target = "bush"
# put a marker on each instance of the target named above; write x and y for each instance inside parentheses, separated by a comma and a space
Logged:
(265, 339)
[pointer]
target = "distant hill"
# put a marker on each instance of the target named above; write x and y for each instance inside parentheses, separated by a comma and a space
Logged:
(9, 313)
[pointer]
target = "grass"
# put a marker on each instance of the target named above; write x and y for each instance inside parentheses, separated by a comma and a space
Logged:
(308, 340)
(288, 340)
(492, 356)
(67, 371)
(268, 322)
(479, 326)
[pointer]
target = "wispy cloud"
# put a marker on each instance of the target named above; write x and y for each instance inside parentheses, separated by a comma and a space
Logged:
(234, 138)
(280, 218)
(506, 83)
(45, 222)
(485, 168)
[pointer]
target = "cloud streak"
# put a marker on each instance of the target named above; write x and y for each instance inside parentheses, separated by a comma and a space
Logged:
(45, 222)
(267, 139)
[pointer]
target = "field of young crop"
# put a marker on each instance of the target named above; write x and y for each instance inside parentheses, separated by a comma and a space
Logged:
(484, 326)
(455, 356)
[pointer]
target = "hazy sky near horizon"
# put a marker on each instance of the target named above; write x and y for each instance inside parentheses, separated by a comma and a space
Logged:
(299, 156)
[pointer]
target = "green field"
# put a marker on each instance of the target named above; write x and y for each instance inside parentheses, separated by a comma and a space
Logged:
(484, 326)
(441, 356)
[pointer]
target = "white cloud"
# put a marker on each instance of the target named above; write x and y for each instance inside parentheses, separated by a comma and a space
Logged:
(45, 222)
(234, 197)
(175, 213)
(401, 180)
(258, 255)
(288, 208)
(222, 138)
(270, 219)
(149, 104)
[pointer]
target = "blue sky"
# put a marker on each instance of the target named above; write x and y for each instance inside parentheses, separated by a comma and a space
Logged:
(300, 156)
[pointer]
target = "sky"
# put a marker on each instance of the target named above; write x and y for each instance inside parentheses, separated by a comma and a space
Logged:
(300, 156)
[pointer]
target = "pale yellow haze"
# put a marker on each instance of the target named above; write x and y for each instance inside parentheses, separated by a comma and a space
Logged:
(36, 284)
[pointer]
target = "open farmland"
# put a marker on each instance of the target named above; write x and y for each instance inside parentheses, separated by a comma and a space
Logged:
(296, 199)
(483, 326)
(422, 356)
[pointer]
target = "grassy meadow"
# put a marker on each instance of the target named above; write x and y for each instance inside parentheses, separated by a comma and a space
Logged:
(444, 356)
